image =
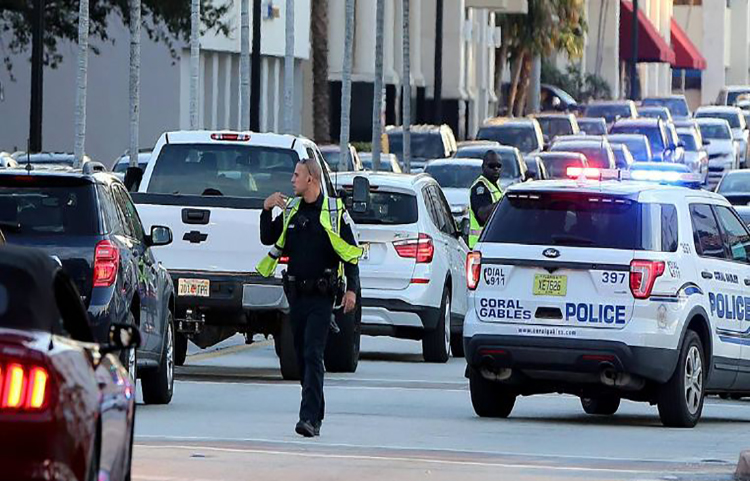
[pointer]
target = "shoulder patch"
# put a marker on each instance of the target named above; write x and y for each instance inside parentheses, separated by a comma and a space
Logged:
(480, 190)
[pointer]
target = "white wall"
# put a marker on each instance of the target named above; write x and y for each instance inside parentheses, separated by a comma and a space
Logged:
(602, 55)
(714, 49)
(737, 73)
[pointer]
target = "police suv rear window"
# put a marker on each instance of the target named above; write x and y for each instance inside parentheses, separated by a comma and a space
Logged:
(388, 208)
(583, 220)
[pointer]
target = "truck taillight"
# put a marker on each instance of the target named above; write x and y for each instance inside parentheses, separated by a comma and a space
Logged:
(473, 269)
(422, 249)
(106, 263)
(643, 274)
(23, 388)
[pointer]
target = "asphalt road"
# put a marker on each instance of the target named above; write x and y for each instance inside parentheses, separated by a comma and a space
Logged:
(398, 418)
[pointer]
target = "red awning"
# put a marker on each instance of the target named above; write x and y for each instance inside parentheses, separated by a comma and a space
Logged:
(651, 45)
(686, 54)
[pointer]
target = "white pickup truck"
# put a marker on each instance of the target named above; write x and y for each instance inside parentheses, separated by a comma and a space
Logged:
(209, 188)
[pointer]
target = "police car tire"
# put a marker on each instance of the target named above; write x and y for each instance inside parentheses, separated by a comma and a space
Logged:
(672, 402)
(488, 398)
(180, 349)
(342, 348)
(600, 405)
(434, 346)
(158, 385)
(284, 344)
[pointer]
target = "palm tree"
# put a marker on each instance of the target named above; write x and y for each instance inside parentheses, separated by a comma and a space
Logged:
(289, 68)
(321, 92)
(244, 65)
(346, 86)
(195, 57)
(135, 78)
(377, 94)
(81, 82)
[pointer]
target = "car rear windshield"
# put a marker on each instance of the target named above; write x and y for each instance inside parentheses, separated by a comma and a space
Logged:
(521, 137)
(689, 142)
(454, 175)
(675, 106)
(735, 183)
(218, 169)
(592, 127)
(388, 208)
(557, 167)
(637, 146)
(552, 127)
(424, 145)
(333, 159)
(582, 220)
(733, 119)
(595, 156)
(48, 210)
(609, 112)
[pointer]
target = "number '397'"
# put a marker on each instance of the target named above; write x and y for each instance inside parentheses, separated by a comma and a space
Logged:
(613, 277)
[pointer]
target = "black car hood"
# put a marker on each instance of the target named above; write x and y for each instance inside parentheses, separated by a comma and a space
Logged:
(738, 199)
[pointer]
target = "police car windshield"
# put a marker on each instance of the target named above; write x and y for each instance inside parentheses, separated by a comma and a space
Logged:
(223, 169)
(388, 208)
(582, 220)
(454, 175)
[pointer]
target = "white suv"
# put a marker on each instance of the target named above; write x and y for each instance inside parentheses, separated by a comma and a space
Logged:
(413, 272)
(609, 290)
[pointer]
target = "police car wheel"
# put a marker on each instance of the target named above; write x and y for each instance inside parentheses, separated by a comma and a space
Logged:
(488, 398)
(284, 341)
(436, 344)
(600, 405)
(680, 400)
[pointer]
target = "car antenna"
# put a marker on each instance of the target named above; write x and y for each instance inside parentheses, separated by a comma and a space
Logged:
(29, 167)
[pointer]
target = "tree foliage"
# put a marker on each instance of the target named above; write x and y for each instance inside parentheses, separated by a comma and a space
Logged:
(166, 21)
(583, 87)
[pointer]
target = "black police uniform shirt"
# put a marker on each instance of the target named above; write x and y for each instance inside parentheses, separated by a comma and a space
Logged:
(480, 197)
(307, 244)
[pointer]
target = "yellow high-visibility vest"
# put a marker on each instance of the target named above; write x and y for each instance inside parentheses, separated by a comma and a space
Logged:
(496, 194)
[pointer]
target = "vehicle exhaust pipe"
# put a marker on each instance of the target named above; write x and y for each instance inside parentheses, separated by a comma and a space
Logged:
(492, 373)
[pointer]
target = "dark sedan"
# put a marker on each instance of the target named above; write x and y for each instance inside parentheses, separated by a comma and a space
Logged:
(67, 405)
(735, 186)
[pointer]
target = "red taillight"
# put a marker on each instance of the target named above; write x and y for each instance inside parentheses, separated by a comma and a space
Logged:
(106, 262)
(231, 137)
(23, 388)
(643, 274)
(421, 249)
(473, 269)
(588, 172)
(284, 260)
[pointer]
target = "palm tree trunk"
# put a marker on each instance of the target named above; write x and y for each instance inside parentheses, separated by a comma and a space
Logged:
(321, 90)
(501, 60)
(515, 78)
(377, 93)
(135, 78)
(289, 69)
(406, 86)
(244, 65)
(523, 88)
(81, 82)
(195, 58)
(346, 86)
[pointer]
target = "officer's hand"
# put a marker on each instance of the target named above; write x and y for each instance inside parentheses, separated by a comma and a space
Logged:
(350, 301)
(275, 200)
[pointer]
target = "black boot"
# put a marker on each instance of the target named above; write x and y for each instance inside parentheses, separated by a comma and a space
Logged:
(316, 427)
(306, 429)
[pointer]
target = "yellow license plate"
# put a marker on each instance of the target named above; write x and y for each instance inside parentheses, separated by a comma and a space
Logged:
(194, 287)
(549, 285)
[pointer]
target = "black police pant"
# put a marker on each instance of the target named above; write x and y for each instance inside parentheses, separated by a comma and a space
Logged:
(311, 321)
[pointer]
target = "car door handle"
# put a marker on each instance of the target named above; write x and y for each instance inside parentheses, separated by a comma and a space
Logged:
(707, 275)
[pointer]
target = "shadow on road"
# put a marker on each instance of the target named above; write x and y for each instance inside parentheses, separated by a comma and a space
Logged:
(390, 357)
(621, 421)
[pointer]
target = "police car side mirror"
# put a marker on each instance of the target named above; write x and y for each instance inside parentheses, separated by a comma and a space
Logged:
(360, 194)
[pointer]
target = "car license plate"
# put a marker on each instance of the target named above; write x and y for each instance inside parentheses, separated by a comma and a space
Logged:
(549, 285)
(194, 287)
(365, 252)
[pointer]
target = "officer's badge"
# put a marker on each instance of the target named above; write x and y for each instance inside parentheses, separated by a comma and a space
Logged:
(480, 190)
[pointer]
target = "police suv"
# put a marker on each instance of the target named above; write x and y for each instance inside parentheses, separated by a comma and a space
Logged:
(609, 290)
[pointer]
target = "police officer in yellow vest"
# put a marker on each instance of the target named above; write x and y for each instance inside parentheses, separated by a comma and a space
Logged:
(314, 232)
(485, 193)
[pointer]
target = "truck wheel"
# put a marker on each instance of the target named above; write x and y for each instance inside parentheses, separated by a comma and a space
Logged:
(600, 405)
(284, 344)
(158, 385)
(180, 349)
(436, 344)
(680, 400)
(342, 348)
(489, 399)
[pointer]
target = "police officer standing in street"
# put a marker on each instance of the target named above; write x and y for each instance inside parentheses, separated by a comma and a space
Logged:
(315, 233)
(485, 193)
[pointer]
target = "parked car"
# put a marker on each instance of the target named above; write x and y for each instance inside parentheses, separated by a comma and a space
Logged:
(536, 168)
(89, 224)
(696, 157)
(523, 134)
(123, 162)
(654, 129)
(729, 95)
(332, 155)
(722, 153)
(612, 110)
(736, 120)
(554, 124)
(557, 163)
(592, 125)
(68, 405)
(514, 168)
(388, 162)
(655, 112)
(677, 105)
(427, 142)
(623, 157)
(598, 153)
(637, 145)
(735, 186)
(413, 277)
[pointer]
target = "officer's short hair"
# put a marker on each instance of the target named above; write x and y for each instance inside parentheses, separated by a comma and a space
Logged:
(314, 168)
(489, 155)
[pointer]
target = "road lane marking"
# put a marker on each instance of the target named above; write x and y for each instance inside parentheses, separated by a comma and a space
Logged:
(403, 459)
(225, 351)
